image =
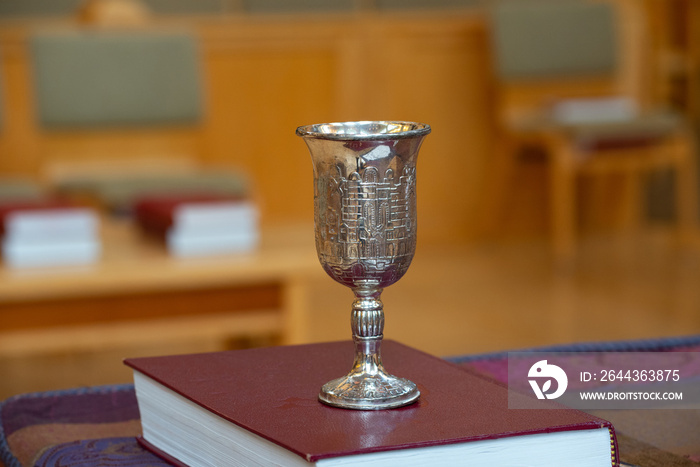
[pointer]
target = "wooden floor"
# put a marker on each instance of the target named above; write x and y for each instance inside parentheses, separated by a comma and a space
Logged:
(472, 299)
(486, 298)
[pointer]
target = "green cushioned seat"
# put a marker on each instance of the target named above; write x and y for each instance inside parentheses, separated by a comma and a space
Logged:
(650, 126)
(554, 38)
(426, 4)
(16, 189)
(186, 7)
(291, 6)
(85, 78)
(118, 193)
(23, 8)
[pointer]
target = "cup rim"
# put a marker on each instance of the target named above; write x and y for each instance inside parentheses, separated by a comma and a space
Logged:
(364, 130)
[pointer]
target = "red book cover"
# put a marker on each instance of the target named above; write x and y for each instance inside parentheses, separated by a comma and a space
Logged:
(273, 393)
(154, 214)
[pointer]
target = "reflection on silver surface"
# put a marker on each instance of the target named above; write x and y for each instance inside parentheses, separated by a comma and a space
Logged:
(365, 222)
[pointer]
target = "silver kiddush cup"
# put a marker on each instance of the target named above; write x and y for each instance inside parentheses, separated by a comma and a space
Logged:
(365, 224)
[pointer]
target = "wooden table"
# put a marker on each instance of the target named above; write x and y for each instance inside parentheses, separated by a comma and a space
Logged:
(138, 299)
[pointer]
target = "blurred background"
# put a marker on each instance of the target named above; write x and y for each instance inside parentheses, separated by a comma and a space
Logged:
(557, 193)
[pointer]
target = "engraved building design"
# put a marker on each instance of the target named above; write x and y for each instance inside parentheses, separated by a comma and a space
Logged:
(367, 217)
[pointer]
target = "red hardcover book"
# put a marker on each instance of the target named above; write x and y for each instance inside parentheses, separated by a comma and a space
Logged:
(260, 407)
(8, 207)
(155, 214)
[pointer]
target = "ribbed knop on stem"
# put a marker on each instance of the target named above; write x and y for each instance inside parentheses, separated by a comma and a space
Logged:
(367, 316)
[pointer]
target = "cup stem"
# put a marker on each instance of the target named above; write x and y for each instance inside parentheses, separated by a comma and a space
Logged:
(367, 323)
(367, 313)
(368, 386)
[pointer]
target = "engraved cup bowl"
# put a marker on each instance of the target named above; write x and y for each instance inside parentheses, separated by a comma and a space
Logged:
(365, 227)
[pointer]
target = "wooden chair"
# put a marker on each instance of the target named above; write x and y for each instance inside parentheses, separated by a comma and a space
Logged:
(114, 101)
(571, 80)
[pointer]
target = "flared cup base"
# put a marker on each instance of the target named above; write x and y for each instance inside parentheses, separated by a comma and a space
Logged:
(369, 392)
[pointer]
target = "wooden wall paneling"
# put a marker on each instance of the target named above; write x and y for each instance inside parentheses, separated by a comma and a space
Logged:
(435, 70)
(636, 77)
(72, 146)
(19, 145)
(264, 80)
(352, 77)
(693, 61)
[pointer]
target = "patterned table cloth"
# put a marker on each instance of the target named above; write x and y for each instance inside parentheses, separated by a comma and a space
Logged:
(97, 426)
